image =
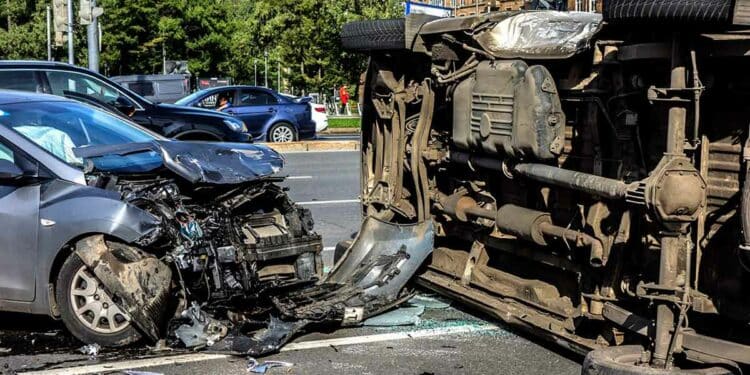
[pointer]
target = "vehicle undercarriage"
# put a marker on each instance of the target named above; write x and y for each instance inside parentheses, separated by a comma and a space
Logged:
(589, 187)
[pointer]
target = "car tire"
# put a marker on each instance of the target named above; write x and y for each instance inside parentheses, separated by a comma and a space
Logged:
(282, 133)
(623, 360)
(670, 12)
(374, 35)
(73, 293)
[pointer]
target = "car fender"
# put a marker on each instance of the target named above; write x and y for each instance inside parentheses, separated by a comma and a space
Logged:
(70, 211)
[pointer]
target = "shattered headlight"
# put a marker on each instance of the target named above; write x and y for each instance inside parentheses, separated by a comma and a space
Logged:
(236, 125)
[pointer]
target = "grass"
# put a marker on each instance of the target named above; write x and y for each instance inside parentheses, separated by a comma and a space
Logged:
(334, 122)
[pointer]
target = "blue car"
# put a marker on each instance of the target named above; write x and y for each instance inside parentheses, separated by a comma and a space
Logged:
(268, 115)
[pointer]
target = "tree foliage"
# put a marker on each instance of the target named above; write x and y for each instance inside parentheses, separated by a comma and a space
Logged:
(217, 37)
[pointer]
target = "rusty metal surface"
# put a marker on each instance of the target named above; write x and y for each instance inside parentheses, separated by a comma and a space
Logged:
(142, 282)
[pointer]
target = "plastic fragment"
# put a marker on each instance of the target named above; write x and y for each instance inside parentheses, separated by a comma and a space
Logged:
(91, 350)
(255, 367)
(404, 316)
(429, 302)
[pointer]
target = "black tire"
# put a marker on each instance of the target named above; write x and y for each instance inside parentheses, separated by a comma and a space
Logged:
(375, 35)
(282, 126)
(669, 12)
(87, 335)
(623, 360)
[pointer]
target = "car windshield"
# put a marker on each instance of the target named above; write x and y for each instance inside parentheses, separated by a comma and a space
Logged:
(59, 127)
(190, 98)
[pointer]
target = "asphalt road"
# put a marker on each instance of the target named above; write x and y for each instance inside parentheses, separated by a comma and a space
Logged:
(446, 341)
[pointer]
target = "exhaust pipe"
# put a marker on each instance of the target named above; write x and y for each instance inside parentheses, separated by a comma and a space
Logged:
(530, 225)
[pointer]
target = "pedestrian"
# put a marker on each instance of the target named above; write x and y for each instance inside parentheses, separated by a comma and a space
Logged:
(344, 97)
(223, 102)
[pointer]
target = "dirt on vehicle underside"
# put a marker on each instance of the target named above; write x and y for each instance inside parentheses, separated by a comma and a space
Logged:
(586, 179)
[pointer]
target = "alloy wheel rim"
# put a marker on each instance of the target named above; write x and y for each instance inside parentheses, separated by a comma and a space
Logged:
(282, 134)
(94, 307)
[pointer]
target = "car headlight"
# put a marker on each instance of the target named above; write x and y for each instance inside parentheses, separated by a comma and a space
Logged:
(235, 125)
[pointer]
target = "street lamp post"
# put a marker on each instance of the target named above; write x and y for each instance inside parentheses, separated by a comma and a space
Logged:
(255, 71)
(71, 54)
(265, 54)
(278, 67)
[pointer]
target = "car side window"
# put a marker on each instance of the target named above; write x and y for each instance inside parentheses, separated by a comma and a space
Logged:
(62, 82)
(21, 80)
(254, 97)
(212, 101)
(6, 153)
(142, 88)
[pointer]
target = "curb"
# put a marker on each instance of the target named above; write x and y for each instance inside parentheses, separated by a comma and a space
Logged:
(315, 146)
(341, 131)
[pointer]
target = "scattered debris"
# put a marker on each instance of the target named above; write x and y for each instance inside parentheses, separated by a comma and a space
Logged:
(366, 282)
(203, 331)
(91, 350)
(404, 316)
(255, 367)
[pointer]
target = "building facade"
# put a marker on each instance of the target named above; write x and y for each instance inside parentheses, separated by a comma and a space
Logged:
(470, 7)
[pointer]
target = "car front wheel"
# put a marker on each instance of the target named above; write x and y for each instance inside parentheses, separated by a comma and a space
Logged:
(281, 133)
(88, 310)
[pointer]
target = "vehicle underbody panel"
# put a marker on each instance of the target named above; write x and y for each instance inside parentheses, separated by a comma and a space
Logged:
(573, 185)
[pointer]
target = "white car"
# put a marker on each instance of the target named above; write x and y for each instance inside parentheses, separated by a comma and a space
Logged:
(320, 117)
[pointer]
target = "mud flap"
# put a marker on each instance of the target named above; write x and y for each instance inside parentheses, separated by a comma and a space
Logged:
(138, 281)
(367, 281)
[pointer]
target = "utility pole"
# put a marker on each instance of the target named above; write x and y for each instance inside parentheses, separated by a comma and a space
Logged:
(163, 58)
(49, 37)
(265, 54)
(92, 38)
(89, 14)
(71, 54)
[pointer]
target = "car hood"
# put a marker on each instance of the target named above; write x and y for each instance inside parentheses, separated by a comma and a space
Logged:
(189, 111)
(196, 162)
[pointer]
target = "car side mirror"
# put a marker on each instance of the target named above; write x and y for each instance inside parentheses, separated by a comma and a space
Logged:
(9, 171)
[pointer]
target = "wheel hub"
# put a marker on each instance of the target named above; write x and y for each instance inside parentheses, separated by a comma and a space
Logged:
(282, 134)
(94, 307)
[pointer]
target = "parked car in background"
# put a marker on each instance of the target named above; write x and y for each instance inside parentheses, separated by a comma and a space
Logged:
(92, 88)
(160, 88)
(268, 115)
(319, 115)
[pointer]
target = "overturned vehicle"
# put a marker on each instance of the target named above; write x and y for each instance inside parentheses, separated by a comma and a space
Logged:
(586, 175)
(117, 231)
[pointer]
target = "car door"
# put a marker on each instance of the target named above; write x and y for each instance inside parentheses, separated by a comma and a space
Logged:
(19, 215)
(257, 108)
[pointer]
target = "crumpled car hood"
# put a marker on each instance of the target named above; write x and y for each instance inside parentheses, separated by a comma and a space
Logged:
(196, 162)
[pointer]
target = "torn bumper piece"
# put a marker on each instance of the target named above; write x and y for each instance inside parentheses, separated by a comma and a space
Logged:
(369, 280)
(138, 281)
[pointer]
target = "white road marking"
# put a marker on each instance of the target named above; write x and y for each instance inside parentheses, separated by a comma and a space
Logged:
(199, 357)
(343, 201)
(130, 365)
(356, 340)
(329, 248)
(299, 178)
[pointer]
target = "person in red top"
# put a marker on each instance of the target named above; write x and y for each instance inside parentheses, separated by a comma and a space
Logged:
(344, 96)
